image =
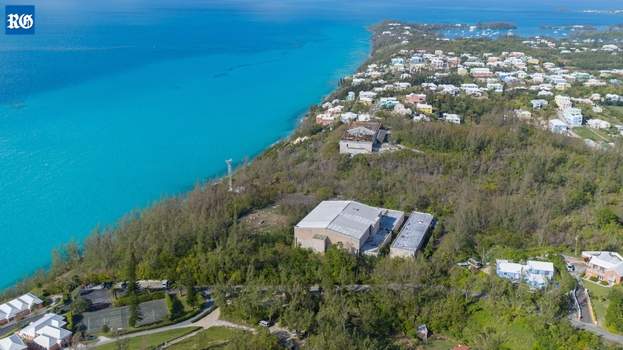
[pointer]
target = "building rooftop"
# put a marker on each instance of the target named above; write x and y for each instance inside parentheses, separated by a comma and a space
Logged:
(608, 260)
(362, 131)
(347, 217)
(413, 232)
(12, 342)
(508, 267)
(540, 265)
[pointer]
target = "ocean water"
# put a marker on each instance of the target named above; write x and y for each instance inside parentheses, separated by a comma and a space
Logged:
(114, 104)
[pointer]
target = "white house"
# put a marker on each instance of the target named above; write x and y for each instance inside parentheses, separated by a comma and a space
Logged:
(18, 307)
(12, 342)
(598, 124)
(573, 116)
(452, 118)
(361, 137)
(557, 126)
(47, 332)
(536, 274)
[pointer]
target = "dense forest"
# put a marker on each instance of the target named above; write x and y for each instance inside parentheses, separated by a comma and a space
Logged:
(498, 187)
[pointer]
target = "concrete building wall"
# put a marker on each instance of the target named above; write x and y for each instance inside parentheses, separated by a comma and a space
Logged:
(602, 274)
(400, 253)
(305, 236)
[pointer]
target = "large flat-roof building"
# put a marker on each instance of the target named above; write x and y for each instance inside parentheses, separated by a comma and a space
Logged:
(357, 227)
(412, 236)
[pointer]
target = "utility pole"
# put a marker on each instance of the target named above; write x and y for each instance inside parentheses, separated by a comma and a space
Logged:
(231, 188)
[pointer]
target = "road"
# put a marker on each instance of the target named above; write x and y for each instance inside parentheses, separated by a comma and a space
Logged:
(615, 338)
(580, 294)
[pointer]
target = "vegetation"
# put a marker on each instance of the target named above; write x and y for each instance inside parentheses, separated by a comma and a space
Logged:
(148, 341)
(211, 338)
(614, 313)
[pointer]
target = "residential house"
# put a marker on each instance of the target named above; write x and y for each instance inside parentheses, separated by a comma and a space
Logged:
(415, 98)
(603, 265)
(598, 124)
(362, 137)
(19, 307)
(539, 104)
(557, 126)
(536, 274)
(12, 342)
(47, 333)
(424, 108)
(452, 118)
(573, 116)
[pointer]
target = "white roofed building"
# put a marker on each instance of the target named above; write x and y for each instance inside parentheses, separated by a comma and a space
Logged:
(18, 307)
(347, 223)
(12, 342)
(47, 332)
(412, 236)
(536, 274)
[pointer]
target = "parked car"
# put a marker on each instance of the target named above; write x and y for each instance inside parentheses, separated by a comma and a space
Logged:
(265, 323)
(570, 267)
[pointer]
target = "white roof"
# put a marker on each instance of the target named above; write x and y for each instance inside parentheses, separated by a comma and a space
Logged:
(12, 342)
(45, 342)
(413, 232)
(19, 304)
(31, 299)
(607, 260)
(8, 310)
(540, 265)
(508, 267)
(347, 217)
(33, 329)
(55, 332)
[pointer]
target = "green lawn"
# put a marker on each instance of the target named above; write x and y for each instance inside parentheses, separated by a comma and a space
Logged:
(212, 338)
(439, 344)
(599, 299)
(588, 133)
(151, 341)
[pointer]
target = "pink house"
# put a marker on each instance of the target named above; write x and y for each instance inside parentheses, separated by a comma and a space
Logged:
(415, 98)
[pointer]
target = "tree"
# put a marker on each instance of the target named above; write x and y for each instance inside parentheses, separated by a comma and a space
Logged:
(135, 312)
(614, 313)
(174, 306)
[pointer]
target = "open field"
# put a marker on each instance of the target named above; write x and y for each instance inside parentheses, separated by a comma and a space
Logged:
(152, 340)
(212, 338)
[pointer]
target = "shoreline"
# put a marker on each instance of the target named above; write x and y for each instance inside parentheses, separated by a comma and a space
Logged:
(294, 121)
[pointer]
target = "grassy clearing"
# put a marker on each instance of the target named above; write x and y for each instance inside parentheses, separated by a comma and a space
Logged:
(440, 344)
(517, 333)
(599, 299)
(212, 338)
(150, 341)
(587, 133)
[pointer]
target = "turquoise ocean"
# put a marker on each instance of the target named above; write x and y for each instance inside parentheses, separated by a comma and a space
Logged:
(115, 104)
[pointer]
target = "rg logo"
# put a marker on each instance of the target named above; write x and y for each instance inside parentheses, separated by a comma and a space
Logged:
(20, 19)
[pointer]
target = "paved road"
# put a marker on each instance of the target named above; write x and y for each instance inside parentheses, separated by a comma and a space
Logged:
(583, 301)
(615, 338)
